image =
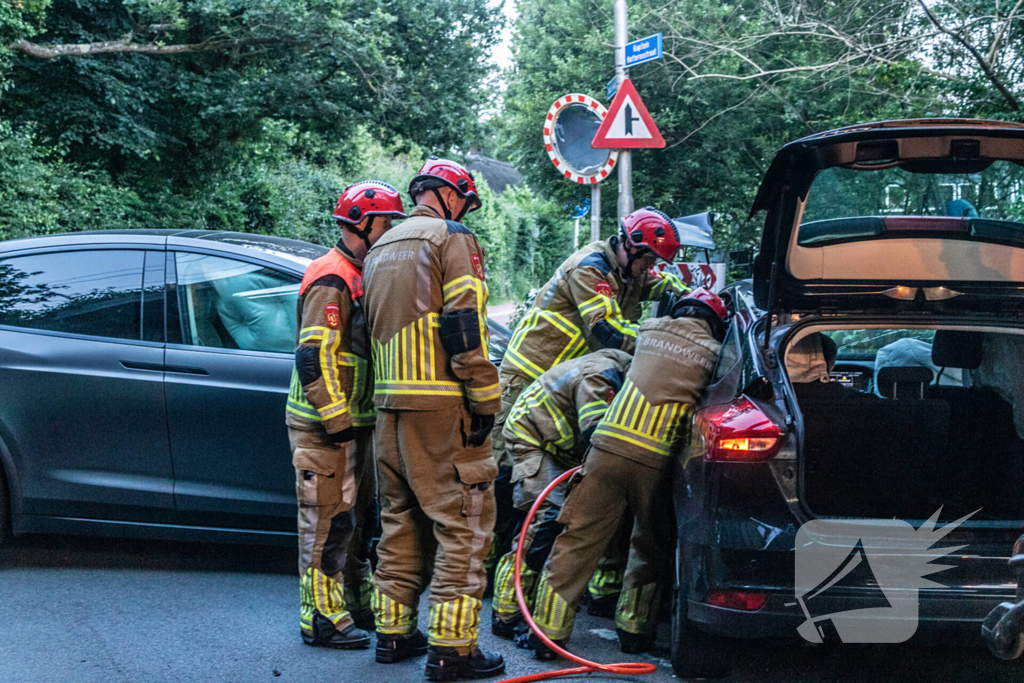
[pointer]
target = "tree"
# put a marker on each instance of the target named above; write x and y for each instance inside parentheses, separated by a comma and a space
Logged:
(739, 80)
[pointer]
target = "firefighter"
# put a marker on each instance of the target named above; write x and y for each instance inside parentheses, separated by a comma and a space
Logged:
(588, 303)
(628, 467)
(330, 418)
(436, 394)
(547, 432)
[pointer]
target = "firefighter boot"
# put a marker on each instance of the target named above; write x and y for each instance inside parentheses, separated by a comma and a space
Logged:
(635, 643)
(394, 647)
(542, 652)
(325, 635)
(446, 664)
(505, 629)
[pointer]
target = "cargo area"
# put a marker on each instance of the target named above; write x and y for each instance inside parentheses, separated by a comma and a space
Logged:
(898, 423)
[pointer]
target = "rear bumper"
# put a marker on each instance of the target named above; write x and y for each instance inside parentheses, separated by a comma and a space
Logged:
(953, 613)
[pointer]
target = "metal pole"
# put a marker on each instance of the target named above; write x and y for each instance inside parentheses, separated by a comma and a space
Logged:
(575, 234)
(621, 73)
(595, 212)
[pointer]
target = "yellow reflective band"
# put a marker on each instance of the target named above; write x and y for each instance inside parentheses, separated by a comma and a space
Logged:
(484, 394)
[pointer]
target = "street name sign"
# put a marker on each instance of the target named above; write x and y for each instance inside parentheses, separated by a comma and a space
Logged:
(628, 125)
(644, 50)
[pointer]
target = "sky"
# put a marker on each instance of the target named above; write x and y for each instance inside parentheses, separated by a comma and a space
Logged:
(502, 54)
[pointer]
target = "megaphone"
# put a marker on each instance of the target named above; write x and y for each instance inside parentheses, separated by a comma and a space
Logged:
(696, 230)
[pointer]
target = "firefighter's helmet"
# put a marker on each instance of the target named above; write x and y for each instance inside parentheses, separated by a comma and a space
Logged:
(652, 229)
(368, 198)
(704, 304)
(437, 173)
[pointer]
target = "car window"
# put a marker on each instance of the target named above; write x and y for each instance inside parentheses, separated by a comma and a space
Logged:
(728, 354)
(94, 292)
(224, 303)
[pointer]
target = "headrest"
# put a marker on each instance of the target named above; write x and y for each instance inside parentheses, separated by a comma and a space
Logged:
(904, 381)
(956, 349)
(808, 361)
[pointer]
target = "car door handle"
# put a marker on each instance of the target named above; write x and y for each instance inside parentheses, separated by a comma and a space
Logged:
(185, 370)
(133, 365)
(156, 367)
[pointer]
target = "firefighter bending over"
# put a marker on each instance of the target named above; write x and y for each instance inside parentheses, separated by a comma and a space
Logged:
(548, 432)
(591, 302)
(628, 467)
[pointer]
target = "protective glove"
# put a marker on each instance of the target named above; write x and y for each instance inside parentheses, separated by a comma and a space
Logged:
(479, 427)
(666, 302)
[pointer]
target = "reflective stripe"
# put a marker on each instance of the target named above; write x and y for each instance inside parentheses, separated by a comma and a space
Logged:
(391, 616)
(612, 314)
(454, 623)
(319, 594)
(593, 409)
(483, 394)
(635, 612)
(553, 614)
(574, 347)
(632, 419)
(534, 398)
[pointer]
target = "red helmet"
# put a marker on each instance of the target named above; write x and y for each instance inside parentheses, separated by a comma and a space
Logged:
(368, 198)
(446, 173)
(704, 304)
(654, 230)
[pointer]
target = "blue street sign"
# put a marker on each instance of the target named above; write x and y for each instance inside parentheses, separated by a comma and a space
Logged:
(582, 209)
(612, 88)
(644, 50)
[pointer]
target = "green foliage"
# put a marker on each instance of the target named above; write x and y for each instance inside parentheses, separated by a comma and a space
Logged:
(722, 129)
(40, 194)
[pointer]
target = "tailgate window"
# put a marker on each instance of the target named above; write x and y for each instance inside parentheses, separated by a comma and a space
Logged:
(983, 204)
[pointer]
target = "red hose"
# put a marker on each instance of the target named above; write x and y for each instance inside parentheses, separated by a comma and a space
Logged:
(586, 666)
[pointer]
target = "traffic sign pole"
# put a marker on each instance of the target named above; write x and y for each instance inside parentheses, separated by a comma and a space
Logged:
(621, 73)
(595, 212)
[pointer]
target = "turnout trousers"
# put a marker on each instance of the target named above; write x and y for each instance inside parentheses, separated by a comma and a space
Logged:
(437, 516)
(536, 469)
(328, 481)
(591, 513)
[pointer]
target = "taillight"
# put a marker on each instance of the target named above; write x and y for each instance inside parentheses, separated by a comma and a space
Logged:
(741, 600)
(738, 431)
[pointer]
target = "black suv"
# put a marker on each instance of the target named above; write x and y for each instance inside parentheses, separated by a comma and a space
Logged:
(872, 379)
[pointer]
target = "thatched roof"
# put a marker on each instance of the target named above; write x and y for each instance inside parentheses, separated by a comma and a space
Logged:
(499, 175)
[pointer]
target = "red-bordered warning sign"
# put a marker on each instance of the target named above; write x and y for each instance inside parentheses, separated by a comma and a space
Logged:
(628, 125)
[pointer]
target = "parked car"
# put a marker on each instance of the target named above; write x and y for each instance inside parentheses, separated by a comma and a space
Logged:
(894, 250)
(143, 378)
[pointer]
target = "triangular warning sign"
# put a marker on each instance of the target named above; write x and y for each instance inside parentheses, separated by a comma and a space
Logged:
(627, 125)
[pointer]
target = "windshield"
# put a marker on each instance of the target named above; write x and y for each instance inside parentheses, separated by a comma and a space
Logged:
(987, 204)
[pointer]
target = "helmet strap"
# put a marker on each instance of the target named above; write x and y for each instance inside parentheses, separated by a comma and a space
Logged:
(363, 234)
(444, 205)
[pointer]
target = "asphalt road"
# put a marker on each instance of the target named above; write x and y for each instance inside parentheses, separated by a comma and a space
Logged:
(84, 610)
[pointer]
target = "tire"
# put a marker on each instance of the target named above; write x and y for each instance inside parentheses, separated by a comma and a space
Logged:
(696, 654)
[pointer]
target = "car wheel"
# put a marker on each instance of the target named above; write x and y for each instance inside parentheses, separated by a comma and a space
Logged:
(696, 654)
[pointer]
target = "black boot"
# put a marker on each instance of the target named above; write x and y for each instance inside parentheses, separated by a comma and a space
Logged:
(542, 652)
(392, 648)
(504, 629)
(603, 607)
(634, 643)
(446, 664)
(325, 635)
(364, 620)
